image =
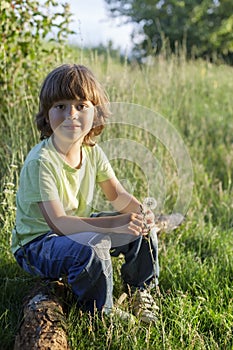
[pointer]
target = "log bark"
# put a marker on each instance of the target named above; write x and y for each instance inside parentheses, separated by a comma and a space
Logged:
(44, 323)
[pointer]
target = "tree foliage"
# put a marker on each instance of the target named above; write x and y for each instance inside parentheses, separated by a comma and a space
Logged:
(202, 27)
(24, 24)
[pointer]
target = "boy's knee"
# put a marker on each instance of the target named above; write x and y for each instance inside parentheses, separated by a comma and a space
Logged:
(101, 247)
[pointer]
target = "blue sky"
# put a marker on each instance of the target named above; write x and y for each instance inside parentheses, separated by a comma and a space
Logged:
(93, 26)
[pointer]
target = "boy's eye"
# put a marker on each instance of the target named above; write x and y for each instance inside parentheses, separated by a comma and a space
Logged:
(60, 106)
(81, 107)
(78, 107)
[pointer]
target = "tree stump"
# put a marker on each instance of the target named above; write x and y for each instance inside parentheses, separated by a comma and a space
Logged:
(44, 324)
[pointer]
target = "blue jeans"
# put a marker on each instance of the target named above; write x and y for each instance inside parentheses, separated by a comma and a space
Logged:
(85, 258)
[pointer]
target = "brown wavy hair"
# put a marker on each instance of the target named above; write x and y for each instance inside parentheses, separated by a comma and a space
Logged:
(69, 82)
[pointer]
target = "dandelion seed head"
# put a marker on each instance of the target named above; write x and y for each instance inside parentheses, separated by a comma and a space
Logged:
(150, 203)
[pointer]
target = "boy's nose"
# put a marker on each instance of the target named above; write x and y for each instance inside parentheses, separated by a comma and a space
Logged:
(72, 112)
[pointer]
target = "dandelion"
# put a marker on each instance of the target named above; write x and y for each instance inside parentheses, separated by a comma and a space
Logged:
(149, 203)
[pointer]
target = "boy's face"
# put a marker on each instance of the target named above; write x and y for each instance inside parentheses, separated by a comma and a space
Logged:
(71, 120)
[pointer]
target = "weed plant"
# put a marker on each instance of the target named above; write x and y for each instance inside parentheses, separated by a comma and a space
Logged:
(196, 304)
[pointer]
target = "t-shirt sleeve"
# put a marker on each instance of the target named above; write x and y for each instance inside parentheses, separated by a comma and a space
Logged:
(38, 182)
(104, 168)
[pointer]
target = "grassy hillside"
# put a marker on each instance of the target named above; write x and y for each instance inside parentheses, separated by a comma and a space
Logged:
(196, 306)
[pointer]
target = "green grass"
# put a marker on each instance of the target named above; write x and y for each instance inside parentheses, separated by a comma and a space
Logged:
(196, 305)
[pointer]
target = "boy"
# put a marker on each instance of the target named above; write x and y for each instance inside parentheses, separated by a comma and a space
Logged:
(54, 233)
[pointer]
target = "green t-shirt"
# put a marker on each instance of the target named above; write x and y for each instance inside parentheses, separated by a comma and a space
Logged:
(46, 176)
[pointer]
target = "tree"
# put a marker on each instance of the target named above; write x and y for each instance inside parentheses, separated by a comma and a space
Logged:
(202, 27)
(24, 24)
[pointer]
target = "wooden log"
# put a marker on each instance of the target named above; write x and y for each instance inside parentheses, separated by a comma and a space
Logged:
(44, 324)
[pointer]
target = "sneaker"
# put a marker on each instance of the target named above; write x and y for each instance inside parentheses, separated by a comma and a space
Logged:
(144, 306)
(122, 315)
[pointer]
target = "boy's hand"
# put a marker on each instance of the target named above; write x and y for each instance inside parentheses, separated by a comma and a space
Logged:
(138, 224)
(149, 222)
(130, 223)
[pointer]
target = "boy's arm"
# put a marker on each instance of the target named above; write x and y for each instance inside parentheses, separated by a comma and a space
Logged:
(124, 202)
(59, 222)
(121, 200)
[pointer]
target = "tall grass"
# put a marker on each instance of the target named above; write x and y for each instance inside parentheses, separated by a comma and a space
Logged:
(196, 305)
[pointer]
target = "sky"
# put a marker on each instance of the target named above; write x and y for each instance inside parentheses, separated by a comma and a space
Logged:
(94, 26)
